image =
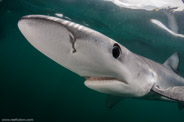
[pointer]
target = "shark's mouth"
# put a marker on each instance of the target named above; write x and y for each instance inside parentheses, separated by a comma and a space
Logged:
(107, 85)
(103, 80)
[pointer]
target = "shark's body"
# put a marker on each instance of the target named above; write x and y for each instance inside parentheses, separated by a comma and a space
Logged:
(107, 65)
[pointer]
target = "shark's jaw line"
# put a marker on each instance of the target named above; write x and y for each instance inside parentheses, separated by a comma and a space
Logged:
(107, 85)
(103, 79)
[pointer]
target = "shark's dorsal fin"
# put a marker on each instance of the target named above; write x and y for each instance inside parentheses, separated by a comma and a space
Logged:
(172, 61)
(113, 100)
(175, 92)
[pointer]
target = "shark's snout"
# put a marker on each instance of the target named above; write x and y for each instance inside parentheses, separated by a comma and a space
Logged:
(67, 43)
(49, 35)
(46, 34)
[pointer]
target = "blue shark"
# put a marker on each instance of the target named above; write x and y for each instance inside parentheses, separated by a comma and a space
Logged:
(107, 66)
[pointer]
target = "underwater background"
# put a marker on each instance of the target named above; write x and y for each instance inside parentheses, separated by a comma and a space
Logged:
(34, 86)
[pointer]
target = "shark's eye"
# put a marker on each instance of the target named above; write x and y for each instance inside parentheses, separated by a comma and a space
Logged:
(116, 51)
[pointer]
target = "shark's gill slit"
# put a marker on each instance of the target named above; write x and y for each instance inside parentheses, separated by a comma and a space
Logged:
(73, 40)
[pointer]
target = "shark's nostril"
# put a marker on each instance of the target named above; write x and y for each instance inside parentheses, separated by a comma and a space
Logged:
(73, 40)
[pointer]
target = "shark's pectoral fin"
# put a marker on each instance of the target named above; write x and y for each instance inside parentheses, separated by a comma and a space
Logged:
(172, 62)
(113, 100)
(175, 92)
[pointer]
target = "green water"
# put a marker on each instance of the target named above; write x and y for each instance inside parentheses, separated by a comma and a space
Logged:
(33, 86)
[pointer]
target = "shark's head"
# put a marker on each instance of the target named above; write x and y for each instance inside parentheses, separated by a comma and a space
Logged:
(82, 50)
